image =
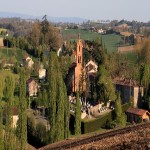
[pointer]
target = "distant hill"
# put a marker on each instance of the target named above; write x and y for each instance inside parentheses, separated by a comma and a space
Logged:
(52, 19)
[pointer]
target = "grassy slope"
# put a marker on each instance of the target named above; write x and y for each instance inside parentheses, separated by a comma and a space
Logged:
(72, 34)
(111, 41)
(12, 52)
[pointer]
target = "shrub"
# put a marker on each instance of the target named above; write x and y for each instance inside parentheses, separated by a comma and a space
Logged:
(104, 121)
(93, 125)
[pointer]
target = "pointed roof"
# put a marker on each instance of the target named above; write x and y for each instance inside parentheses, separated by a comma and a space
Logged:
(92, 63)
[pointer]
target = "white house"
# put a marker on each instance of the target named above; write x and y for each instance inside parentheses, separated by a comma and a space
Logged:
(42, 74)
(91, 67)
(101, 31)
(32, 87)
(28, 61)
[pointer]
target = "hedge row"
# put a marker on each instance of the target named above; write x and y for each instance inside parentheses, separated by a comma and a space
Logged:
(93, 125)
(96, 124)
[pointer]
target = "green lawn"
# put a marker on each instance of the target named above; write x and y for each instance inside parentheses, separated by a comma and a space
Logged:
(111, 41)
(131, 56)
(72, 34)
(11, 52)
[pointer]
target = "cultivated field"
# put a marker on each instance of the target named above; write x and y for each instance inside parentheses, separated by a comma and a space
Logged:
(125, 49)
(111, 41)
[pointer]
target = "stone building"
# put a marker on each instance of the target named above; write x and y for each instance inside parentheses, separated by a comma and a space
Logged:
(42, 73)
(14, 117)
(32, 87)
(91, 73)
(137, 115)
(27, 61)
(129, 88)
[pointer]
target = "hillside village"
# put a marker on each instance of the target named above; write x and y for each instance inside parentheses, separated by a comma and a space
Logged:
(65, 85)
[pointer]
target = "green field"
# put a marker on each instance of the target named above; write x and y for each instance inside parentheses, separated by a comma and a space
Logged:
(111, 41)
(72, 34)
(14, 53)
(131, 56)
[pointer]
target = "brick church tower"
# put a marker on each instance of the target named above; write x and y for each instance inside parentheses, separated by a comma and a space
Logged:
(78, 68)
(75, 79)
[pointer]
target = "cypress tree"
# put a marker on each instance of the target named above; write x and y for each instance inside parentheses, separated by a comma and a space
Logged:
(1, 123)
(77, 115)
(9, 138)
(52, 95)
(59, 135)
(67, 114)
(120, 115)
(22, 122)
(57, 99)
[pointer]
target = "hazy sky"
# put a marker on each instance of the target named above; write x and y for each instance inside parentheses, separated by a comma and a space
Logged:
(89, 9)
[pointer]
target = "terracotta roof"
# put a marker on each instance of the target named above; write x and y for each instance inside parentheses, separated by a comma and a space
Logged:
(14, 111)
(123, 81)
(73, 65)
(29, 80)
(126, 33)
(136, 111)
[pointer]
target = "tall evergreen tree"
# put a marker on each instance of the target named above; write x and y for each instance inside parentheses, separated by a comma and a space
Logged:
(22, 122)
(59, 135)
(77, 115)
(9, 138)
(67, 114)
(57, 98)
(120, 115)
(52, 95)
